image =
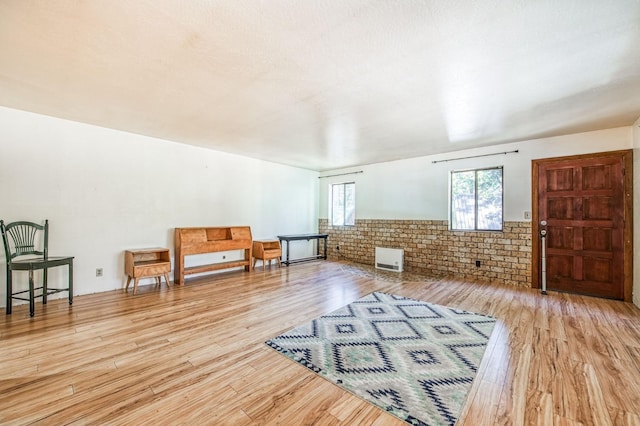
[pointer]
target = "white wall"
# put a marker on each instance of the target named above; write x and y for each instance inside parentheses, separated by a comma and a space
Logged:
(105, 191)
(418, 189)
(636, 213)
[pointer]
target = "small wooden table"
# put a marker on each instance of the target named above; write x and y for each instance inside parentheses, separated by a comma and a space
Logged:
(150, 262)
(307, 237)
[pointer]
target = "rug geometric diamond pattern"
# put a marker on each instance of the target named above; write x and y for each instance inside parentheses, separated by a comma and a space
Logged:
(414, 359)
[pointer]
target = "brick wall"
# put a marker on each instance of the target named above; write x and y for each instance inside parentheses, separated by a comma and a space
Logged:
(431, 248)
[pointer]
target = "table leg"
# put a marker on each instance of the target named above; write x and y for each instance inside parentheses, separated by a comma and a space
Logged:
(71, 282)
(325, 248)
(286, 251)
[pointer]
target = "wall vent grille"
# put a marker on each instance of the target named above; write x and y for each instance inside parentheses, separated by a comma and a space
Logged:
(389, 259)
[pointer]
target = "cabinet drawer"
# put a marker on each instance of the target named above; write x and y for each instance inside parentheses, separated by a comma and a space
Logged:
(155, 268)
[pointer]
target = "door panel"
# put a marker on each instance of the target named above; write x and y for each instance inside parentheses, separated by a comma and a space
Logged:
(560, 266)
(596, 177)
(560, 179)
(584, 201)
(560, 208)
(597, 239)
(597, 269)
(562, 238)
(598, 208)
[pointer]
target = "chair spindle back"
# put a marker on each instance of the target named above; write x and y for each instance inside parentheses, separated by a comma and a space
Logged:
(20, 239)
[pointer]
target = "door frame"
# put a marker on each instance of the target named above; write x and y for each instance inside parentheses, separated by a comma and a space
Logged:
(627, 160)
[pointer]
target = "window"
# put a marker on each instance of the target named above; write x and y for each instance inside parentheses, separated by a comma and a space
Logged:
(343, 204)
(476, 199)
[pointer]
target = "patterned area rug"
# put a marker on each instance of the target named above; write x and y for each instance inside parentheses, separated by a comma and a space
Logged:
(416, 360)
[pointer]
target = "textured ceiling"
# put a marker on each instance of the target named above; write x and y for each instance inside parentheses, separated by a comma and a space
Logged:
(325, 84)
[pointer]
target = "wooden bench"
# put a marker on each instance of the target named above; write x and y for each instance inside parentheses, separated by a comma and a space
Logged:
(190, 241)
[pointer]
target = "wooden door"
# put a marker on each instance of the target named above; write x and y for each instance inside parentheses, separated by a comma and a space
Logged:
(586, 202)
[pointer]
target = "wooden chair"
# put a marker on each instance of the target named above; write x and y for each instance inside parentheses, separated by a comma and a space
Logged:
(266, 250)
(26, 247)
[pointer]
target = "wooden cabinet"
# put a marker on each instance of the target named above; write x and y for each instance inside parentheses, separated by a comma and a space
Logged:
(266, 250)
(190, 241)
(150, 262)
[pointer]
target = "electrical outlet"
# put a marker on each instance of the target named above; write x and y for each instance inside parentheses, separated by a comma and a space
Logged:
(98, 272)
(477, 263)
(527, 215)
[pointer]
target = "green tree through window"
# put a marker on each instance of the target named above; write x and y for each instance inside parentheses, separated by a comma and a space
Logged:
(476, 199)
(343, 204)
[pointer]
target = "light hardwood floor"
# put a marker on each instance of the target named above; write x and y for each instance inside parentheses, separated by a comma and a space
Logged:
(195, 354)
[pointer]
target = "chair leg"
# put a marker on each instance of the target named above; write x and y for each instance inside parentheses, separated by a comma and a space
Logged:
(44, 286)
(32, 305)
(9, 291)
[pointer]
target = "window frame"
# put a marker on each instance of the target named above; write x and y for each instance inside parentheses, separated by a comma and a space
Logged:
(476, 199)
(344, 211)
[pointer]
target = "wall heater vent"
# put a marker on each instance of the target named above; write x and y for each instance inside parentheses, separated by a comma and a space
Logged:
(389, 259)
